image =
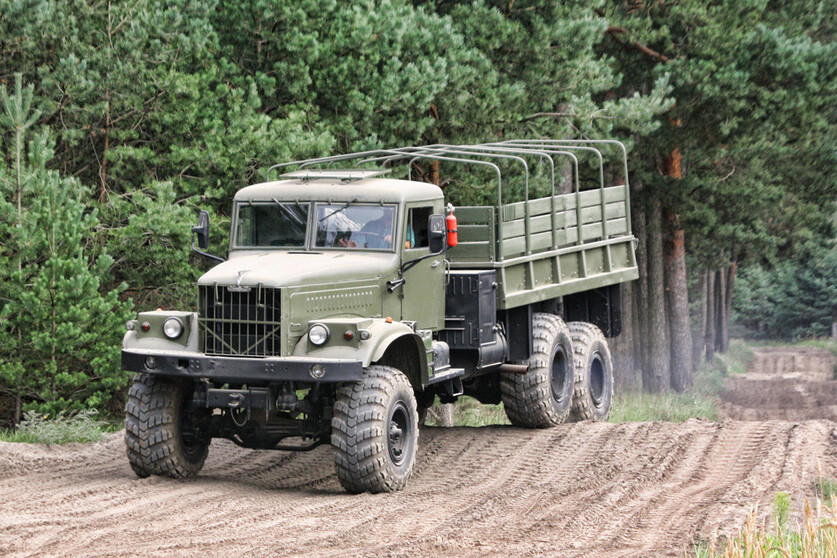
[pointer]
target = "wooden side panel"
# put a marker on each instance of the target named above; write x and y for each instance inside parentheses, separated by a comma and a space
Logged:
(565, 219)
(476, 235)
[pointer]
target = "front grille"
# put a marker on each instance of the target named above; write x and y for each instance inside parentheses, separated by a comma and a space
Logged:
(240, 322)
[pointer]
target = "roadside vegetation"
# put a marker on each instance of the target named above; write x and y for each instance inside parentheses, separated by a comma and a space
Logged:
(639, 406)
(36, 428)
(816, 537)
(629, 406)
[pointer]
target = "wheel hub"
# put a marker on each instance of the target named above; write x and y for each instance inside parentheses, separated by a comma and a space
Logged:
(398, 432)
(597, 384)
(558, 375)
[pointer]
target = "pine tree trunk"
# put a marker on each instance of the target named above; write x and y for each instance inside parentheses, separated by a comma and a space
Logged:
(566, 184)
(711, 317)
(658, 344)
(638, 224)
(639, 340)
(434, 172)
(18, 408)
(623, 344)
(720, 309)
(730, 281)
(678, 305)
(699, 318)
(444, 415)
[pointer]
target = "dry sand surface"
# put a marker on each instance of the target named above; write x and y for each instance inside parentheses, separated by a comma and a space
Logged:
(634, 489)
(783, 383)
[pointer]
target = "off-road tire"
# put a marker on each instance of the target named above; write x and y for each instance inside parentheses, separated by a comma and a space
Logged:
(154, 429)
(593, 394)
(543, 396)
(370, 454)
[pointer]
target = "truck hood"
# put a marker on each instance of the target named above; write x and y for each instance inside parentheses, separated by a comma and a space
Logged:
(284, 269)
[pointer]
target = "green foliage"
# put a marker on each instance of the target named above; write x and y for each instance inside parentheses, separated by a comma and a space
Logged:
(59, 329)
(701, 402)
(754, 120)
(64, 428)
(667, 407)
(826, 489)
(738, 358)
(467, 411)
(781, 509)
(796, 299)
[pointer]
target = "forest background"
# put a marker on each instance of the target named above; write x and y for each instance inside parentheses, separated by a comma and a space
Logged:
(118, 120)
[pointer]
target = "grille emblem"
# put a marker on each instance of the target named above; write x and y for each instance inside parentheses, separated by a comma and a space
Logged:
(238, 288)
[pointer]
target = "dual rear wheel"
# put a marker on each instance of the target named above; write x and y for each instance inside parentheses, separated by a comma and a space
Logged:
(570, 376)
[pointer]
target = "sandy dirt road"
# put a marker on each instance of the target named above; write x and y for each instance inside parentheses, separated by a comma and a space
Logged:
(634, 489)
(791, 383)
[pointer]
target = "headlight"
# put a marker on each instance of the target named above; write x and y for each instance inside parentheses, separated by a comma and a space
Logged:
(318, 334)
(173, 328)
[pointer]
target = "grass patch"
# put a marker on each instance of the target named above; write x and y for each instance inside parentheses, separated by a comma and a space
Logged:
(822, 343)
(61, 429)
(668, 407)
(700, 402)
(738, 358)
(816, 537)
(467, 411)
(627, 407)
(826, 489)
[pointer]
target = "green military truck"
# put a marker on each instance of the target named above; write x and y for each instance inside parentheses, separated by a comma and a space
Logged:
(350, 301)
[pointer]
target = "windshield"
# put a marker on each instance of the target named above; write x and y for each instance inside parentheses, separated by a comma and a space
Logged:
(351, 225)
(272, 224)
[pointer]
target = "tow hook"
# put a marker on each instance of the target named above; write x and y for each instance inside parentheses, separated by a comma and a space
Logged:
(236, 399)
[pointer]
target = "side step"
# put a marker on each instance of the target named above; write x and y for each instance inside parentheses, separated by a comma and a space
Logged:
(451, 381)
(444, 375)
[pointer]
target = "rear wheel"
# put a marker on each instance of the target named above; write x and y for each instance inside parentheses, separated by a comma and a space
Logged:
(543, 396)
(374, 431)
(593, 394)
(162, 429)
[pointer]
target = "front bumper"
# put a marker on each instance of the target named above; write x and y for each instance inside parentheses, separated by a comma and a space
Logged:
(242, 369)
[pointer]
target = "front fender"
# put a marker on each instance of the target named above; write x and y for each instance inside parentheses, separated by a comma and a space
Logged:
(154, 339)
(382, 335)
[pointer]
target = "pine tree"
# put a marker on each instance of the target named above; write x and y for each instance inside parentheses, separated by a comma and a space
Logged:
(59, 334)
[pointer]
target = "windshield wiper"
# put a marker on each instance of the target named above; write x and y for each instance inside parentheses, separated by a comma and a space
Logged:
(288, 212)
(338, 210)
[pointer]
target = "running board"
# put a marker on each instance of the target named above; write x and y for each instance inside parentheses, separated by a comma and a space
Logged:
(445, 375)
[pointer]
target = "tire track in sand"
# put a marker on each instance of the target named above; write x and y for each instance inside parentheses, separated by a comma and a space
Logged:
(577, 490)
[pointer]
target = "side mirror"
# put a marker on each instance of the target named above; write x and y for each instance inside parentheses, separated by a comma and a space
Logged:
(202, 230)
(437, 232)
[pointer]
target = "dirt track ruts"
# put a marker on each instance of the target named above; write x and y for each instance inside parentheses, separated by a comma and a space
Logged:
(634, 489)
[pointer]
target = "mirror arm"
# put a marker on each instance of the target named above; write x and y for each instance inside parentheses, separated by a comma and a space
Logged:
(205, 254)
(406, 266)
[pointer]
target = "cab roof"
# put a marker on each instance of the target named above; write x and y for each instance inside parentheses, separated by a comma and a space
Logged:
(370, 189)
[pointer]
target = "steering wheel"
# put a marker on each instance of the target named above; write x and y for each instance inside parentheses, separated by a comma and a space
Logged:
(384, 242)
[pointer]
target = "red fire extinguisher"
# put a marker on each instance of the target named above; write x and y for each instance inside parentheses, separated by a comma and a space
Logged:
(453, 235)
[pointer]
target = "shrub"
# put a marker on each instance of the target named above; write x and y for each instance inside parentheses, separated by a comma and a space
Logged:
(37, 428)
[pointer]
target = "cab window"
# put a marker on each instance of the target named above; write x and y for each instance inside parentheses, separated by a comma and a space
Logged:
(416, 235)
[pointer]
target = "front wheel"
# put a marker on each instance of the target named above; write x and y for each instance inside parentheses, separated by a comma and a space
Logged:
(162, 430)
(374, 431)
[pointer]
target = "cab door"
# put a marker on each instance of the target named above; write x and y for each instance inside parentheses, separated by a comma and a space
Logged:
(423, 293)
